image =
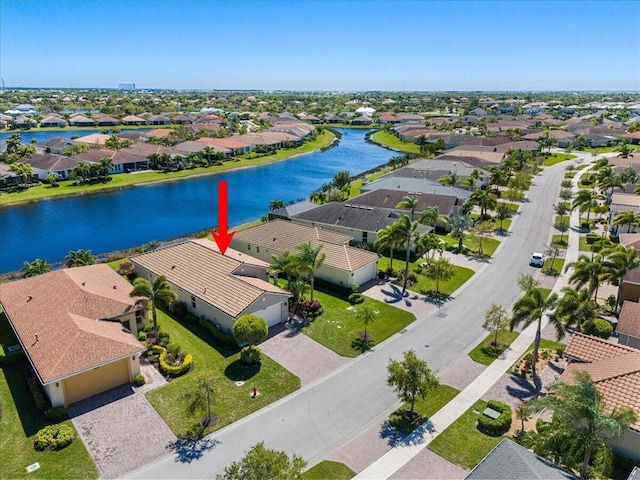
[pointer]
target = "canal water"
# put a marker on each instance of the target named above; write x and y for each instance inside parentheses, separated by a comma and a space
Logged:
(105, 222)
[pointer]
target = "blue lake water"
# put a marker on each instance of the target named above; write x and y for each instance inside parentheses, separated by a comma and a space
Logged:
(126, 218)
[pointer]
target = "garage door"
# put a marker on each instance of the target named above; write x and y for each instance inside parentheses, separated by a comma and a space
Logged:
(95, 381)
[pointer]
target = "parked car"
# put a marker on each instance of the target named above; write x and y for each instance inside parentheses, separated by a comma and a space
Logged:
(537, 259)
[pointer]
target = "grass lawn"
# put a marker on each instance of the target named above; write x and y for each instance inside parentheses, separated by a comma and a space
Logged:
(337, 327)
(329, 470)
(485, 353)
(556, 242)
(389, 140)
(470, 243)
(583, 246)
(462, 443)
(21, 421)
(557, 158)
(223, 365)
(425, 284)
(435, 400)
(556, 265)
(125, 180)
(569, 174)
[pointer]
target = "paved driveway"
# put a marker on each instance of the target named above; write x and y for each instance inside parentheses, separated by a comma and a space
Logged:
(120, 428)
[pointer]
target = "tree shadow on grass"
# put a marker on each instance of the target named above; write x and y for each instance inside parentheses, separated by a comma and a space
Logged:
(239, 370)
(187, 451)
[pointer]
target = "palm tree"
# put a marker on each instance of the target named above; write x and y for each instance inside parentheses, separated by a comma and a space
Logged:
(628, 218)
(460, 225)
(584, 198)
(285, 263)
(531, 308)
(310, 260)
(575, 307)
(106, 164)
(160, 289)
(388, 238)
(37, 267)
(79, 258)
(581, 415)
(618, 260)
(587, 271)
(408, 231)
(430, 242)
(408, 203)
(431, 216)
(452, 179)
(13, 143)
(366, 316)
(276, 204)
(485, 200)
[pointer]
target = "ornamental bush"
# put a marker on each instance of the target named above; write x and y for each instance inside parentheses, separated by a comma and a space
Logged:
(54, 437)
(498, 426)
(355, 298)
(56, 413)
(217, 333)
(178, 308)
(250, 355)
(39, 397)
(598, 327)
(171, 370)
(250, 329)
(139, 380)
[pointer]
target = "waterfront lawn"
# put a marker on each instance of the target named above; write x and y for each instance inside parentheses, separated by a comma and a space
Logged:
(426, 285)
(21, 421)
(485, 353)
(123, 180)
(391, 141)
(338, 326)
(462, 443)
(222, 364)
(434, 401)
(328, 469)
(557, 158)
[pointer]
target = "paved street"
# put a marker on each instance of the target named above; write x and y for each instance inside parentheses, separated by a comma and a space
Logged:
(318, 420)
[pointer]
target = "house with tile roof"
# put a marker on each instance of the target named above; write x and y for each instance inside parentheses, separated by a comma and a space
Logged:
(55, 145)
(343, 266)
(615, 370)
(220, 288)
(45, 163)
(133, 120)
(81, 121)
(630, 283)
(77, 327)
(628, 327)
(53, 121)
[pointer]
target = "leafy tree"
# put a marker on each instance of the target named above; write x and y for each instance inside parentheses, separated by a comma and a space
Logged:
(366, 316)
(150, 293)
(37, 267)
(342, 179)
(276, 204)
(460, 225)
(554, 252)
(411, 377)
(310, 259)
(262, 463)
(526, 282)
(53, 178)
(481, 231)
(623, 149)
(250, 329)
(503, 212)
(495, 319)
(585, 422)
(79, 258)
(575, 307)
(440, 269)
(531, 308)
(203, 394)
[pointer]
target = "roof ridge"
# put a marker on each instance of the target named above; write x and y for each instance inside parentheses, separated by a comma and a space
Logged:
(346, 253)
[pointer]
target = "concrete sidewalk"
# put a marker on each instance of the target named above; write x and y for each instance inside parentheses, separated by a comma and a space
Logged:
(414, 443)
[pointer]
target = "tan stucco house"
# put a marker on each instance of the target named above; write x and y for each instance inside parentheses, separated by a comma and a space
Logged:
(220, 288)
(77, 327)
(343, 265)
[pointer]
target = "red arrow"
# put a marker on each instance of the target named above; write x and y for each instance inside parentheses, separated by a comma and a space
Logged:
(222, 237)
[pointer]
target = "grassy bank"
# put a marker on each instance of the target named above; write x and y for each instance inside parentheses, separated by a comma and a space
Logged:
(67, 188)
(391, 141)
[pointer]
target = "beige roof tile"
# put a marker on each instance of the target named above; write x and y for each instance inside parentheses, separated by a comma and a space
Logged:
(629, 320)
(586, 348)
(198, 268)
(59, 318)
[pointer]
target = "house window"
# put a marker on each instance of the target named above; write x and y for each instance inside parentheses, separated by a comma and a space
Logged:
(193, 301)
(364, 237)
(257, 249)
(138, 316)
(248, 247)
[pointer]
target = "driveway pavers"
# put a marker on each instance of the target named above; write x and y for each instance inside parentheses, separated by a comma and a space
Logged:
(428, 465)
(120, 428)
(462, 373)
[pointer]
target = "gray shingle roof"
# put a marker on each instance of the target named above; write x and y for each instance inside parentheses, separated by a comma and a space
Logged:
(416, 185)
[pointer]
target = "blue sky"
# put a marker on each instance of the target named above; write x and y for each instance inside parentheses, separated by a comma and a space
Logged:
(327, 45)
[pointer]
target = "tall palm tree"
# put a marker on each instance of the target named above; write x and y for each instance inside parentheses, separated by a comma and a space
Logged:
(408, 203)
(581, 416)
(485, 200)
(160, 289)
(628, 218)
(276, 204)
(431, 216)
(310, 260)
(37, 267)
(575, 307)
(79, 258)
(428, 243)
(452, 179)
(408, 232)
(587, 272)
(618, 260)
(285, 263)
(531, 308)
(388, 238)
(585, 199)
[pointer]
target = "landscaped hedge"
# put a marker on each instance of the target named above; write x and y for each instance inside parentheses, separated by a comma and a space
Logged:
(172, 371)
(42, 402)
(217, 334)
(9, 358)
(501, 424)
(54, 437)
(598, 327)
(56, 413)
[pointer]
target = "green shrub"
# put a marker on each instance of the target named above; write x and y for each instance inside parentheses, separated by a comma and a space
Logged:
(542, 425)
(355, 298)
(592, 237)
(163, 338)
(39, 397)
(501, 424)
(171, 370)
(138, 380)
(142, 336)
(250, 355)
(216, 333)
(10, 358)
(54, 437)
(598, 327)
(560, 350)
(56, 413)
(178, 308)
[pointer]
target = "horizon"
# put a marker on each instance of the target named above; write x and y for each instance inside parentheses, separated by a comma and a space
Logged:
(322, 46)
